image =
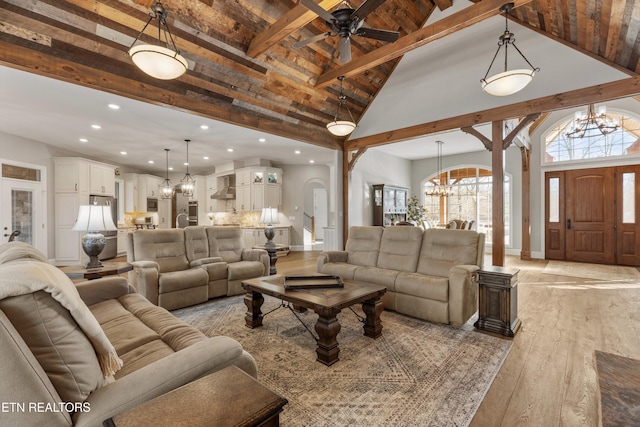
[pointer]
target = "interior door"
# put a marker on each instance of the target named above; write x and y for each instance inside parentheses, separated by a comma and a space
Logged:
(23, 211)
(590, 215)
(320, 209)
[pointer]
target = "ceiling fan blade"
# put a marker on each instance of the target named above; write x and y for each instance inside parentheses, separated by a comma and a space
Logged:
(382, 35)
(310, 40)
(345, 50)
(312, 6)
(365, 8)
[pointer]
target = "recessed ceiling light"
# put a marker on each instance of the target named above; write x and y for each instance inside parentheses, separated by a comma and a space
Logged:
(230, 150)
(205, 127)
(297, 151)
(206, 157)
(84, 140)
(124, 153)
(312, 161)
(262, 140)
(186, 163)
(170, 168)
(151, 162)
(114, 106)
(96, 126)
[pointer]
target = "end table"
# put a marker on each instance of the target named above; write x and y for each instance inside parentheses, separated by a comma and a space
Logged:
(272, 250)
(498, 300)
(107, 269)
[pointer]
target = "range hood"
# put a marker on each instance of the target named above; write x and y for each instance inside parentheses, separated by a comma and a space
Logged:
(228, 190)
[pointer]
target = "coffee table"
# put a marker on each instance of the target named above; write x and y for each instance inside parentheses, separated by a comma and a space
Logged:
(326, 303)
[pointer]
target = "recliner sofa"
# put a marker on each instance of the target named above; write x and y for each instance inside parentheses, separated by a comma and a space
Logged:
(178, 267)
(50, 372)
(429, 274)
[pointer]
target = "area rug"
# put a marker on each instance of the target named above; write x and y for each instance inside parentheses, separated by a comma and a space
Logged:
(618, 389)
(416, 374)
(592, 271)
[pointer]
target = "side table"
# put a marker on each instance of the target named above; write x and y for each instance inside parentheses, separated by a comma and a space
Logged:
(107, 269)
(498, 300)
(226, 398)
(272, 250)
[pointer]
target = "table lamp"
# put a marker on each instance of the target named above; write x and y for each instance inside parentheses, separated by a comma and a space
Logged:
(269, 217)
(93, 219)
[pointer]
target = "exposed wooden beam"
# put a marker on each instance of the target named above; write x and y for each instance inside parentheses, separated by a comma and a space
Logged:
(473, 131)
(525, 251)
(444, 27)
(355, 157)
(575, 98)
(538, 122)
(156, 93)
(291, 21)
(497, 193)
(443, 4)
(516, 130)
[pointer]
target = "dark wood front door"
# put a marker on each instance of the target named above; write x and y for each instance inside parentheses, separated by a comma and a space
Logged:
(590, 215)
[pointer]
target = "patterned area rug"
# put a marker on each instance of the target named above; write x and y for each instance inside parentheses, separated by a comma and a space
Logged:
(592, 271)
(416, 374)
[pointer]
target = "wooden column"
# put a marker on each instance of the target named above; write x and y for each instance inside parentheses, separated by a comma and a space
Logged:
(525, 252)
(497, 205)
(345, 196)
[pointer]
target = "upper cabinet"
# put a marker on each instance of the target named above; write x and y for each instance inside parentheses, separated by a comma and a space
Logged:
(82, 176)
(102, 180)
(139, 188)
(258, 187)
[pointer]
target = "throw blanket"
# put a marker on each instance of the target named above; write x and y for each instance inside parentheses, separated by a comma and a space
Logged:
(25, 270)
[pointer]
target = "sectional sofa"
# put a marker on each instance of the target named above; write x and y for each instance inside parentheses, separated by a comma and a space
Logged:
(178, 267)
(429, 274)
(60, 346)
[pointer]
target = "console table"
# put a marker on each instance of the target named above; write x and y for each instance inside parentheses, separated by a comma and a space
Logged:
(498, 300)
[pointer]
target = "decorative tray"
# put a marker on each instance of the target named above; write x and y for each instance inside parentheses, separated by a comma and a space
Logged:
(312, 282)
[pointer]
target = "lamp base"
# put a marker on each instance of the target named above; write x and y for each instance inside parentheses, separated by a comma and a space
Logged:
(93, 244)
(269, 233)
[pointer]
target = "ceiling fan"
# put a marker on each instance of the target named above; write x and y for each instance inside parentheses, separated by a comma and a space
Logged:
(347, 22)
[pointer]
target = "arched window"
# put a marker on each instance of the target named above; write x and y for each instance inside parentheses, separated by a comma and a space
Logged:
(577, 138)
(469, 198)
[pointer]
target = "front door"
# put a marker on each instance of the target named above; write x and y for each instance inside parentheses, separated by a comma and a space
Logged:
(23, 212)
(591, 215)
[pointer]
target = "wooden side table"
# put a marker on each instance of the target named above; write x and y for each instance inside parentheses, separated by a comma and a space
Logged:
(273, 255)
(498, 300)
(107, 269)
(229, 397)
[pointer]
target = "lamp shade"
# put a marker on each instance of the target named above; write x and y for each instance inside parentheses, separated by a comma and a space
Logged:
(158, 61)
(341, 127)
(269, 216)
(94, 218)
(507, 82)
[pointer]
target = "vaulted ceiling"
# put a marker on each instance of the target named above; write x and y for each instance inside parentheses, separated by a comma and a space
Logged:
(243, 68)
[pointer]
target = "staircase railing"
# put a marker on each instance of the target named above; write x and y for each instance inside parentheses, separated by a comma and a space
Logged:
(310, 225)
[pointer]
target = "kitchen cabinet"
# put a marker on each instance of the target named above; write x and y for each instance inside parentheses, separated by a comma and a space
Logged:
(258, 187)
(122, 240)
(131, 191)
(164, 213)
(139, 187)
(71, 175)
(255, 236)
(102, 180)
(243, 198)
(152, 186)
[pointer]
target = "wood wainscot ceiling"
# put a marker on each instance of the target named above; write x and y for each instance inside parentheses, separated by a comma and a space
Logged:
(243, 68)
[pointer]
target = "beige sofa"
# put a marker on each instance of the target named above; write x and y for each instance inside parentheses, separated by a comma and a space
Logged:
(178, 267)
(49, 369)
(428, 273)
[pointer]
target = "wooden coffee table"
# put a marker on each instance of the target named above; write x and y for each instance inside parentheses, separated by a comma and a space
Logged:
(326, 303)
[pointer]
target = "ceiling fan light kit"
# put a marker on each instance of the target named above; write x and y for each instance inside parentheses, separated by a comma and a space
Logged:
(164, 63)
(341, 127)
(507, 82)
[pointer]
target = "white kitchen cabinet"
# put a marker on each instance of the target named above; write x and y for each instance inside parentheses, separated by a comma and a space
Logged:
(282, 236)
(153, 185)
(71, 175)
(122, 240)
(243, 198)
(255, 236)
(164, 213)
(131, 191)
(102, 180)
(258, 187)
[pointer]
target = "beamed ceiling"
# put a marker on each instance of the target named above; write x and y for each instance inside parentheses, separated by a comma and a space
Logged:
(245, 71)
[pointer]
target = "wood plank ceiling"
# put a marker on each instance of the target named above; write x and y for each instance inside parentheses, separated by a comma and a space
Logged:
(243, 68)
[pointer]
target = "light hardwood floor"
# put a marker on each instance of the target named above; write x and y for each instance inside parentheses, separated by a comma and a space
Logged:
(548, 378)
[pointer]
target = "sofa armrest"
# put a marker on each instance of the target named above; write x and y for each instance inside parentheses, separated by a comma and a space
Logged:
(146, 279)
(202, 261)
(331, 256)
(106, 288)
(158, 378)
(253, 254)
(463, 293)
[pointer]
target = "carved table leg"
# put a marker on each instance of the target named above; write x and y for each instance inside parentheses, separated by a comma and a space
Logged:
(372, 325)
(253, 301)
(327, 328)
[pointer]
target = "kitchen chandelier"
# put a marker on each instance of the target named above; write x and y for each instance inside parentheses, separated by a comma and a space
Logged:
(166, 188)
(156, 60)
(187, 184)
(592, 124)
(341, 127)
(512, 81)
(440, 189)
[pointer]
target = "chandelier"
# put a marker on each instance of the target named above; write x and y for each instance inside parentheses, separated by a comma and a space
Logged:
(507, 82)
(341, 127)
(156, 60)
(440, 189)
(188, 184)
(166, 188)
(592, 124)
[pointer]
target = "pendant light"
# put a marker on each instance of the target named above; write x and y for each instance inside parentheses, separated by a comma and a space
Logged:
(156, 60)
(341, 127)
(592, 124)
(507, 82)
(440, 189)
(166, 188)
(188, 184)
